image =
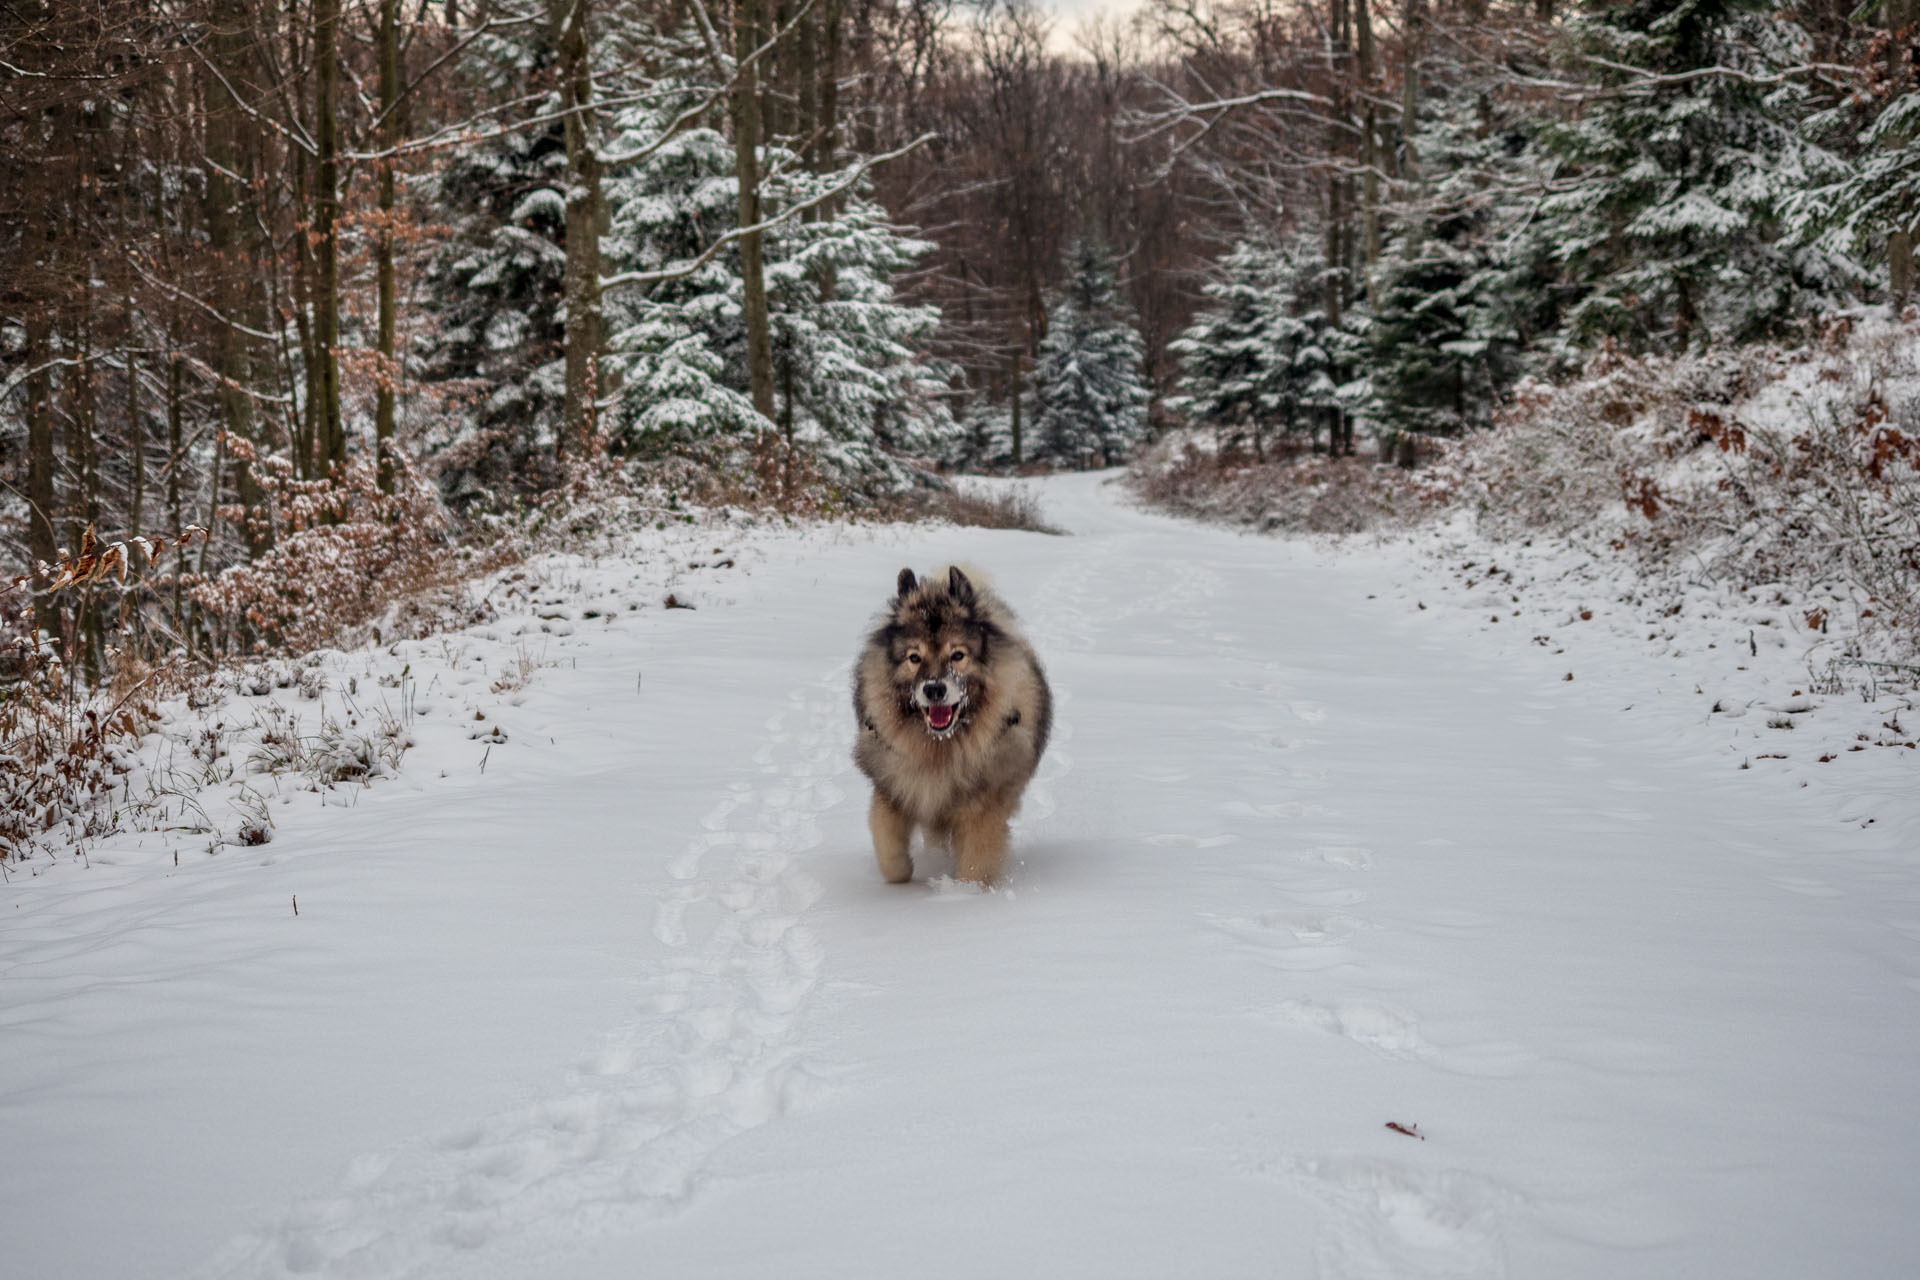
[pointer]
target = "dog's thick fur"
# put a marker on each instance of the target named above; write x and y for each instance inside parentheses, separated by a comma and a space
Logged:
(954, 713)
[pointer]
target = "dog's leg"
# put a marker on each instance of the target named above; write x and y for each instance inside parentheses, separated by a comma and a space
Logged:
(980, 841)
(892, 833)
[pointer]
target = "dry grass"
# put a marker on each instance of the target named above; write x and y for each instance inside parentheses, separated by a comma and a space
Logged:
(1301, 493)
(1010, 508)
(970, 506)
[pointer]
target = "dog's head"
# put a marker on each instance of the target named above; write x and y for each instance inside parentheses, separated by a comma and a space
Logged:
(939, 640)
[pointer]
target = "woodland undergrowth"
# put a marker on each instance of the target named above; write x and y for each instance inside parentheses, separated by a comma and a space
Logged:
(1776, 472)
(339, 563)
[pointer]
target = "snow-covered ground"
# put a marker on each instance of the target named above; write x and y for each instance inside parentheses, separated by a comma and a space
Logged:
(604, 982)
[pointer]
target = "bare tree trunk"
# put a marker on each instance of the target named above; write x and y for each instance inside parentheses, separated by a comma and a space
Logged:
(174, 459)
(1369, 150)
(309, 441)
(745, 102)
(1416, 20)
(826, 152)
(233, 265)
(1899, 16)
(42, 541)
(136, 431)
(82, 456)
(326, 232)
(571, 22)
(1013, 398)
(389, 368)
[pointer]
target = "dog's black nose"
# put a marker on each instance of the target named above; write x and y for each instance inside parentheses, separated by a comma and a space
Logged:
(936, 690)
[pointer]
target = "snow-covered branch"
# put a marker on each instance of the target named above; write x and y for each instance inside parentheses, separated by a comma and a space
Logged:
(847, 183)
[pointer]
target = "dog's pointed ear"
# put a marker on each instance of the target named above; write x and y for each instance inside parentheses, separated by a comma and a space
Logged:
(906, 583)
(959, 586)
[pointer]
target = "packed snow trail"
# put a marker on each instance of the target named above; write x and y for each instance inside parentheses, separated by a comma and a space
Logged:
(1301, 862)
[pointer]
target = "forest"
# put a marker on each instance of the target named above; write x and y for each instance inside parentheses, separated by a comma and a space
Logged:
(310, 304)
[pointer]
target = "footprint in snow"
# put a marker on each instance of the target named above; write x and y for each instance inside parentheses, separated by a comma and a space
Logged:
(1351, 856)
(1804, 887)
(1392, 1221)
(1177, 841)
(1384, 1028)
(1288, 928)
(1278, 809)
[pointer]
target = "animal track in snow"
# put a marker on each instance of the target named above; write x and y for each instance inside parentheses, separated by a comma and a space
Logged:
(1394, 1221)
(712, 1051)
(1304, 928)
(1177, 841)
(1278, 809)
(1383, 1028)
(1351, 856)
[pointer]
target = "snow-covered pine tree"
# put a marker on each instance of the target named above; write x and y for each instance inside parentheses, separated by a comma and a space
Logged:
(495, 290)
(853, 385)
(1251, 363)
(983, 436)
(1456, 288)
(1668, 218)
(676, 348)
(1872, 209)
(1090, 401)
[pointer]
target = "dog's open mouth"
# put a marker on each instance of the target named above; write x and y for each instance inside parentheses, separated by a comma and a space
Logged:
(940, 717)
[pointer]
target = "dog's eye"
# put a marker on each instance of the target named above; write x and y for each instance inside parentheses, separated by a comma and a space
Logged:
(959, 655)
(914, 658)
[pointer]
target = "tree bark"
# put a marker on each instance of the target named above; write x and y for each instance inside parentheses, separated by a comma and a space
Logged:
(389, 370)
(1369, 149)
(136, 432)
(42, 541)
(326, 233)
(1013, 399)
(175, 369)
(572, 22)
(745, 103)
(232, 262)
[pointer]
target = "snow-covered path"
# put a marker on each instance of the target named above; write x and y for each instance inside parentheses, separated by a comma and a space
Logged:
(1302, 861)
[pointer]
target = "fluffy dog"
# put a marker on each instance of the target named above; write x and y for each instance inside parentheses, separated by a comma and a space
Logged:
(954, 712)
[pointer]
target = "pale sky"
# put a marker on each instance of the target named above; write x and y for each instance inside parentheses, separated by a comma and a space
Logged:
(1068, 14)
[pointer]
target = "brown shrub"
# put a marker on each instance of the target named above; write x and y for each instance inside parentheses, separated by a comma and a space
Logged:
(971, 506)
(1299, 492)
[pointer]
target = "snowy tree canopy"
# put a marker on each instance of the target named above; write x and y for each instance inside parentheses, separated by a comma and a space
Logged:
(1090, 399)
(1668, 215)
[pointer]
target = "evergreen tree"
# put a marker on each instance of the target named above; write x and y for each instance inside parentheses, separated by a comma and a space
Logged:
(676, 348)
(495, 291)
(1668, 219)
(853, 385)
(1090, 401)
(1252, 362)
(853, 381)
(1457, 289)
(983, 437)
(1872, 209)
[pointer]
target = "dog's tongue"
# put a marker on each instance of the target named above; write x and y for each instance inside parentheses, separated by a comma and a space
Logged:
(939, 717)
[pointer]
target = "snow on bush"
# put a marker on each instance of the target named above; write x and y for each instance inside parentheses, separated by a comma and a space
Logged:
(341, 551)
(1790, 473)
